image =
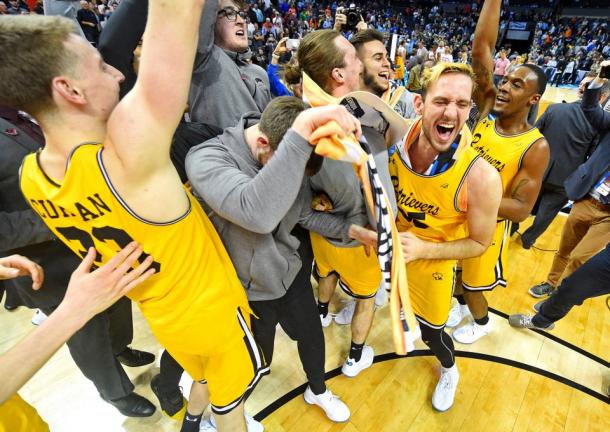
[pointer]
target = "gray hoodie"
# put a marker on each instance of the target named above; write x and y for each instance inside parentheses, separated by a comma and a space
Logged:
(223, 86)
(255, 208)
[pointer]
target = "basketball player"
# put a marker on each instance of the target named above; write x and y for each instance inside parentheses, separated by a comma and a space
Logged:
(105, 178)
(517, 150)
(332, 62)
(447, 198)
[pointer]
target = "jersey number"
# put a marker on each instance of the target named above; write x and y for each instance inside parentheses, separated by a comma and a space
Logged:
(104, 234)
(416, 218)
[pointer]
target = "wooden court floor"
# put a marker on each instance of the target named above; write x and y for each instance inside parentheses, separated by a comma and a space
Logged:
(511, 380)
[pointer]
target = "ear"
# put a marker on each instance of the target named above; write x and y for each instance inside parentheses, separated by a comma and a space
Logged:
(338, 75)
(262, 143)
(418, 103)
(66, 89)
(534, 99)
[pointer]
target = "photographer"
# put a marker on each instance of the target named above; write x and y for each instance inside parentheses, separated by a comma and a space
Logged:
(349, 21)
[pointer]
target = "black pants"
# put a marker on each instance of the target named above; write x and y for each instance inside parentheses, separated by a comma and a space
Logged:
(551, 200)
(592, 279)
(296, 312)
(94, 348)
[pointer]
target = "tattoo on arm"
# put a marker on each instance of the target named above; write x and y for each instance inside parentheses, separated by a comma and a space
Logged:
(518, 187)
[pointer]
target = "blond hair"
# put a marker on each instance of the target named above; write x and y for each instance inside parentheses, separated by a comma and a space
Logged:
(32, 53)
(434, 73)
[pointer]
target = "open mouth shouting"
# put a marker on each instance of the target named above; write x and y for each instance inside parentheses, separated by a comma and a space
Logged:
(385, 76)
(445, 130)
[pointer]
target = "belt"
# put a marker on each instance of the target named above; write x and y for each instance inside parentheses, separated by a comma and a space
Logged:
(598, 204)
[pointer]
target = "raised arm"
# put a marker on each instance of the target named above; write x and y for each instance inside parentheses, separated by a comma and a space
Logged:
(140, 128)
(206, 32)
(598, 118)
(526, 185)
(483, 46)
(484, 189)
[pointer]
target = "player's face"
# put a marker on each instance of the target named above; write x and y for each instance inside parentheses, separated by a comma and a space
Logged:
(445, 109)
(375, 67)
(98, 81)
(353, 66)
(517, 90)
(231, 35)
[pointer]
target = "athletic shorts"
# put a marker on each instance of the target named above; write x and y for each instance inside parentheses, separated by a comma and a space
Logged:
(16, 415)
(431, 284)
(359, 275)
(230, 376)
(485, 272)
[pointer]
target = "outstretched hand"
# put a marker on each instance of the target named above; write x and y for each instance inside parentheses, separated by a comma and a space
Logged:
(16, 265)
(90, 292)
(313, 118)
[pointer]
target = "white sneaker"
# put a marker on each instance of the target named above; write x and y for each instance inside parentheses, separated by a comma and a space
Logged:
(457, 314)
(326, 320)
(206, 425)
(251, 424)
(444, 393)
(471, 332)
(39, 317)
(344, 317)
(351, 367)
(381, 298)
(334, 408)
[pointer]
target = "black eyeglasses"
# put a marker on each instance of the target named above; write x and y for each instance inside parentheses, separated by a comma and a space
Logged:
(231, 13)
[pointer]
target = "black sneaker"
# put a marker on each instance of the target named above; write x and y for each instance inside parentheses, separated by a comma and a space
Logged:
(541, 290)
(538, 305)
(133, 405)
(134, 358)
(172, 403)
(525, 321)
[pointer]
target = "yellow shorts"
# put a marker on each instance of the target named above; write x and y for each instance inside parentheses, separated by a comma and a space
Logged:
(431, 285)
(485, 272)
(16, 415)
(359, 275)
(230, 375)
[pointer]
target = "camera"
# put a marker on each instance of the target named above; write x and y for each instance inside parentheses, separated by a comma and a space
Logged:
(352, 15)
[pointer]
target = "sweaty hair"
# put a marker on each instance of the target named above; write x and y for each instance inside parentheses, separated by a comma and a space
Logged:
(278, 118)
(317, 56)
(365, 36)
(434, 73)
(541, 78)
(32, 53)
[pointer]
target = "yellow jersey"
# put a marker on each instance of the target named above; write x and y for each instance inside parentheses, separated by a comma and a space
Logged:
(191, 301)
(432, 206)
(504, 152)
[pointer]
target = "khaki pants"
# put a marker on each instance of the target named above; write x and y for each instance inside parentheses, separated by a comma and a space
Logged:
(586, 232)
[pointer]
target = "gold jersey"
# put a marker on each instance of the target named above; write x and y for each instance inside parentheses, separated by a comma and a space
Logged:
(191, 301)
(432, 206)
(505, 153)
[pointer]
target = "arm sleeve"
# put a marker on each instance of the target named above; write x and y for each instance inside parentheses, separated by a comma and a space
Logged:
(121, 37)
(256, 203)
(598, 118)
(275, 84)
(206, 32)
(22, 228)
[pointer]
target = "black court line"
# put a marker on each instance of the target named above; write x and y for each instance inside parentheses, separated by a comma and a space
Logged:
(271, 408)
(561, 342)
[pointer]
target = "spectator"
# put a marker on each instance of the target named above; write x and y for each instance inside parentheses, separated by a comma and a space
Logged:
(500, 67)
(88, 22)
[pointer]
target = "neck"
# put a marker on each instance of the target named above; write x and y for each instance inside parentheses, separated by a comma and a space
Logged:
(63, 133)
(513, 123)
(250, 135)
(421, 154)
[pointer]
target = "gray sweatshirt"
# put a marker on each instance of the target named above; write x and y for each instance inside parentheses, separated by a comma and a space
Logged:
(255, 208)
(223, 86)
(339, 181)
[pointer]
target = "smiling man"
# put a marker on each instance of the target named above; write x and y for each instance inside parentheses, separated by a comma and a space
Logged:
(225, 85)
(519, 152)
(448, 199)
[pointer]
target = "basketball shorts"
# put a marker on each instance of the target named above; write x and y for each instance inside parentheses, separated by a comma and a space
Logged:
(16, 415)
(485, 272)
(359, 275)
(231, 375)
(431, 285)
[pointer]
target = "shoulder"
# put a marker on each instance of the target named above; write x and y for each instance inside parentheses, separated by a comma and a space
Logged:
(483, 179)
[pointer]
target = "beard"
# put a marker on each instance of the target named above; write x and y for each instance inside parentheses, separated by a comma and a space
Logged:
(370, 82)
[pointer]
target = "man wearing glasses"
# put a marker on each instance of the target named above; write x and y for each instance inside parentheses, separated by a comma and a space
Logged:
(224, 85)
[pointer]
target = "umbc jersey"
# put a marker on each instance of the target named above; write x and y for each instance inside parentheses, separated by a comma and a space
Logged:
(503, 152)
(432, 206)
(191, 302)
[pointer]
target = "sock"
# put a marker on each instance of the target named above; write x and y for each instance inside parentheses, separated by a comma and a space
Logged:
(355, 351)
(460, 299)
(191, 423)
(323, 308)
(482, 321)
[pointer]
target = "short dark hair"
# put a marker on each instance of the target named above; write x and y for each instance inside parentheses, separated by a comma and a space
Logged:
(278, 117)
(540, 76)
(365, 36)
